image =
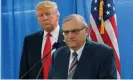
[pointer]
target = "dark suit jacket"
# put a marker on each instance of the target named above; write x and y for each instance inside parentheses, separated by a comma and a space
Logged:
(32, 54)
(96, 62)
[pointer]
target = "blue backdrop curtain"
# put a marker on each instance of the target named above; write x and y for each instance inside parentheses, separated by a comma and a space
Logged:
(19, 20)
(0, 40)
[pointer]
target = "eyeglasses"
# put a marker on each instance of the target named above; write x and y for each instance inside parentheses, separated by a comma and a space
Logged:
(74, 31)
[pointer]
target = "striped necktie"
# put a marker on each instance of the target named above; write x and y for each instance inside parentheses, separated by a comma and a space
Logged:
(73, 66)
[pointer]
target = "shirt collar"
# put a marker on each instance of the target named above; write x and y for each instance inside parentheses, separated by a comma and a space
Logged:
(54, 33)
(79, 51)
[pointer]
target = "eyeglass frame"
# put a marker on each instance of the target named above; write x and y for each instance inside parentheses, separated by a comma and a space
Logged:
(74, 31)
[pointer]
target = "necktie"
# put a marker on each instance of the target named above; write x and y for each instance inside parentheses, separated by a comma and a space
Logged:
(73, 66)
(47, 60)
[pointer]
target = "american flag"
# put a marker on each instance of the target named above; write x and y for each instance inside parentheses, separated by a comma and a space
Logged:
(103, 26)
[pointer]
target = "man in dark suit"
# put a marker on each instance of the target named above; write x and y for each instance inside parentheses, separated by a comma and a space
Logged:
(34, 45)
(81, 58)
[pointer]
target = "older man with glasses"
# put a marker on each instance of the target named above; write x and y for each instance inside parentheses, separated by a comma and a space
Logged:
(81, 58)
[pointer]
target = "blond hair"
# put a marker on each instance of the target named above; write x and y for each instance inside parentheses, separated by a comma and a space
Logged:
(48, 4)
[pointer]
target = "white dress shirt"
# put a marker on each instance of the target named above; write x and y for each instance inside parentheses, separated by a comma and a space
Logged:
(53, 38)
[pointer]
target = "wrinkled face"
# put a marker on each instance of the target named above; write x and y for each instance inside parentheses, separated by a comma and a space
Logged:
(75, 34)
(47, 18)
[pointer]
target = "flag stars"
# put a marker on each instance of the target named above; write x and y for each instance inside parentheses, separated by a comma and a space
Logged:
(109, 5)
(95, 1)
(95, 8)
(107, 12)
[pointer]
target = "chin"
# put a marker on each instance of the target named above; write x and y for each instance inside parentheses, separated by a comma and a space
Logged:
(72, 46)
(48, 28)
(47, 25)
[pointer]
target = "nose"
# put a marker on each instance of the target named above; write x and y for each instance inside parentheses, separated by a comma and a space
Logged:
(44, 16)
(69, 34)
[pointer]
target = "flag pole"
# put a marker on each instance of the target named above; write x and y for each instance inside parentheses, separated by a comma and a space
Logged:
(101, 17)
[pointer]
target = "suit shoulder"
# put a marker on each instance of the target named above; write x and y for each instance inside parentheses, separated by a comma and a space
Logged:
(100, 49)
(63, 48)
(35, 34)
(61, 51)
(99, 45)
(100, 52)
(33, 38)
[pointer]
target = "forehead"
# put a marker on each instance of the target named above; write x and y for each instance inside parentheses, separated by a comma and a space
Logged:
(45, 10)
(72, 24)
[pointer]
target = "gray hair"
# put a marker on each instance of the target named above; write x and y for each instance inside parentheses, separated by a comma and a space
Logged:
(49, 4)
(75, 16)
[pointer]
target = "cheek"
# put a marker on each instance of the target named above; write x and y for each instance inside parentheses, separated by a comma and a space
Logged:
(82, 37)
(40, 19)
(53, 19)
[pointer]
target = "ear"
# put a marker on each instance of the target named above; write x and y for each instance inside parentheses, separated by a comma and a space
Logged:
(87, 30)
(57, 17)
(58, 14)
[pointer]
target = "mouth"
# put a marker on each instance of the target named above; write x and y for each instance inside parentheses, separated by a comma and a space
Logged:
(72, 41)
(46, 23)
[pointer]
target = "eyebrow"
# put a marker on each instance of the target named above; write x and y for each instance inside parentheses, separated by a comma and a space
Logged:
(76, 29)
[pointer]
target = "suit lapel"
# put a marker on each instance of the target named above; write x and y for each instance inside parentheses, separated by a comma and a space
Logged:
(38, 56)
(60, 40)
(40, 43)
(61, 37)
(83, 63)
(64, 63)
